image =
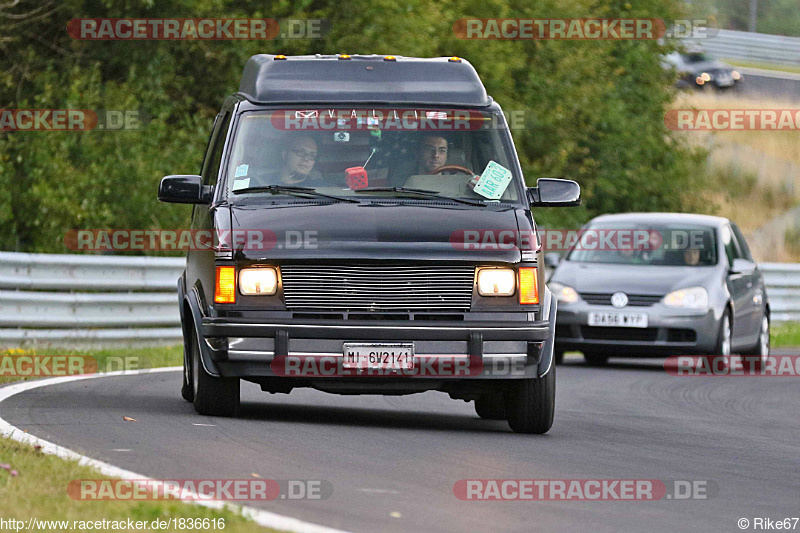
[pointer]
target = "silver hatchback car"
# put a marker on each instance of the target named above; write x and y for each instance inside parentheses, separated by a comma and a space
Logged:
(662, 284)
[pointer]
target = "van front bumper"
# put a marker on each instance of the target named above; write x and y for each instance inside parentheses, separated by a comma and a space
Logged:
(250, 348)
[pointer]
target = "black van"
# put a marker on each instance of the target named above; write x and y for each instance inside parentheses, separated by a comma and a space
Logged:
(371, 233)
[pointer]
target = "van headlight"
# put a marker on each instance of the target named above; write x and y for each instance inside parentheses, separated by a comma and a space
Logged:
(564, 293)
(496, 282)
(261, 281)
(691, 298)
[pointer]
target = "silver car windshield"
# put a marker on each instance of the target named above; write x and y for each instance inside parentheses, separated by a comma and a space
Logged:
(343, 152)
(646, 244)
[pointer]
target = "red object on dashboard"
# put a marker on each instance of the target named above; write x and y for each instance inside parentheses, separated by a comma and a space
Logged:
(356, 177)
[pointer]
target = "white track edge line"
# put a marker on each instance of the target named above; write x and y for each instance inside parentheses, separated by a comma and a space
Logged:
(259, 516)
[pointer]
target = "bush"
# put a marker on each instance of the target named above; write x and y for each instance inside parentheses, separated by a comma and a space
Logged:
(593, 110)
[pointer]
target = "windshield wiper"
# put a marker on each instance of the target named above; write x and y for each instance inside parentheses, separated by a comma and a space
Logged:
(421, 192)
(291, 189)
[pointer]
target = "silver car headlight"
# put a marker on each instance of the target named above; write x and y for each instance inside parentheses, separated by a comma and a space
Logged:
(564, 293)
(690, 298)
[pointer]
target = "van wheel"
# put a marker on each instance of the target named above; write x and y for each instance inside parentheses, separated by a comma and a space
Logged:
(491, 406)
(530, 403)
(187, 393)
(595, 358)
(213, 396)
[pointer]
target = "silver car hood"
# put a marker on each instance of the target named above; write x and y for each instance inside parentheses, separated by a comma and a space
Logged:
(630, 279)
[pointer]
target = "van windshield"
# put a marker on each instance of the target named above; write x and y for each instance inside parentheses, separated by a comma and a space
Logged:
(454, 153)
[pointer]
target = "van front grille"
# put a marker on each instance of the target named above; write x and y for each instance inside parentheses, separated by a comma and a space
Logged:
(377, 287)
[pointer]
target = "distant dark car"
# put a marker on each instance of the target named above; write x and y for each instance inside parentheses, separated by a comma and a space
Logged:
(693, 288)
(699, 70)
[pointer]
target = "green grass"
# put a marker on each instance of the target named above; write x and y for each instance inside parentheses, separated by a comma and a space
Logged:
(40, 488)
(40, 491)
(785, 335)
(91, 361)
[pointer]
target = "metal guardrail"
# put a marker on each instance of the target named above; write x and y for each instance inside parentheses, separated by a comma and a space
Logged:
(757, 47)
(61, 299)
(74, 299)
(783, 290)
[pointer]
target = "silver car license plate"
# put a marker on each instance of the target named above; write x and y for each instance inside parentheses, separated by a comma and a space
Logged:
(619, 320)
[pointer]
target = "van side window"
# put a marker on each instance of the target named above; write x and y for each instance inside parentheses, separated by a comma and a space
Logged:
(213, 157)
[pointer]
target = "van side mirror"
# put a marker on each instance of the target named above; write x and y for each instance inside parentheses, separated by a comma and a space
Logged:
(554, 192)
(184, 190)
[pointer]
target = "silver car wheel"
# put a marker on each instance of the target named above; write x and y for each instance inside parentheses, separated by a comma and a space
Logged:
(726, 336)
(195, 367)
(763, 339)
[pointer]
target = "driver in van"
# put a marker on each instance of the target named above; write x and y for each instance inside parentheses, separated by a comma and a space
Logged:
(432, 154)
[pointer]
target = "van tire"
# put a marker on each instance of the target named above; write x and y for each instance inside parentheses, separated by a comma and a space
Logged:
(530, 403)
(213, 396)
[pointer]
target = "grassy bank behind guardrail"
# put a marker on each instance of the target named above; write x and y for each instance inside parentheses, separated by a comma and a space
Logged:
(786, 334)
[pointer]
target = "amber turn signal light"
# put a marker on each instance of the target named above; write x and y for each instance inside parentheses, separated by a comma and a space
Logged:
(225, 289)
(528, 286)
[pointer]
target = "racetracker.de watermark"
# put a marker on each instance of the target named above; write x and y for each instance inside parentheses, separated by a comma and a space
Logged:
(560, 29)
(595, 239)
(733, 119)
(127, 240)
(70, 119)
(45, 365)
(213, 29)
(733, 366)
(583, 489)
(256, 489)
(437, 366)
(393, 120)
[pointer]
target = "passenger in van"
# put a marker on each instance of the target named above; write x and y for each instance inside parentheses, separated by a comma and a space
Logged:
(295, 167)
(299, 158)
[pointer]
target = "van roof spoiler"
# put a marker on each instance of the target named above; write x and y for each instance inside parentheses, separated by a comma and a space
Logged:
(362, 79)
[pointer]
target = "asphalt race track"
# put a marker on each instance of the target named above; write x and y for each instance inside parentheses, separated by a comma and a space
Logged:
(393, 461)
(771, 84)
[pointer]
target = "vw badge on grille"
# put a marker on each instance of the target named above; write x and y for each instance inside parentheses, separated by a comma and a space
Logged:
(619, 299)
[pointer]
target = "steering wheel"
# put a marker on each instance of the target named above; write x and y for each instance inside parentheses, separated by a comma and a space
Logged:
(457, 168)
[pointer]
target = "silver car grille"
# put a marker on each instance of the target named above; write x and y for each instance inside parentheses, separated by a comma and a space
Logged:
(634, 300)
(377, 287)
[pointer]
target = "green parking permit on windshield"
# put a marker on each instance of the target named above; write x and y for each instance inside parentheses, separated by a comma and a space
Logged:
(241, 184)
(494, 181)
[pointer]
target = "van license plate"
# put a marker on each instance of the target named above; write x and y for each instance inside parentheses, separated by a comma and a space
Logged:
(386, 356)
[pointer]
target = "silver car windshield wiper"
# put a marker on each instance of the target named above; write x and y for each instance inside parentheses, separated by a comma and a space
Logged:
(294, 190)
(421, 192)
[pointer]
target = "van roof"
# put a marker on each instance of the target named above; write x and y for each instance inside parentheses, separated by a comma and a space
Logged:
(362, 79)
